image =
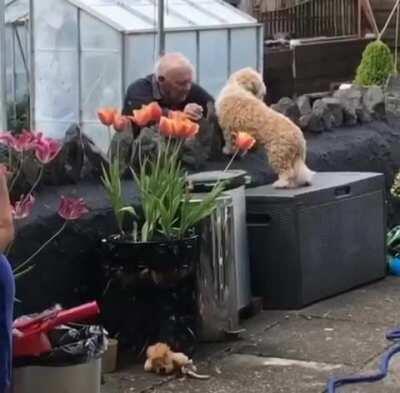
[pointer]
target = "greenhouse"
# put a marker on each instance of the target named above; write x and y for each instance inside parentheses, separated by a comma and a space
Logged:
(86, 53)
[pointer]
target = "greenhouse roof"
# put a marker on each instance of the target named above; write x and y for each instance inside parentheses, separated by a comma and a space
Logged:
(16, 10)
(141, 15)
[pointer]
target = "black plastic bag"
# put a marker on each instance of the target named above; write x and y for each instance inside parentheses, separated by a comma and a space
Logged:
(72, 344)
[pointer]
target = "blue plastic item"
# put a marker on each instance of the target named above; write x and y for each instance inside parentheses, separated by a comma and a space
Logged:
(335, 382)
(394, 266)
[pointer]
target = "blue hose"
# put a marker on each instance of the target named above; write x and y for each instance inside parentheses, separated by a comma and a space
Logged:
(335, 382)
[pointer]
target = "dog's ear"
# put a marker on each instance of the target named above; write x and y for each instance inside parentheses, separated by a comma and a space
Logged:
(250, 84)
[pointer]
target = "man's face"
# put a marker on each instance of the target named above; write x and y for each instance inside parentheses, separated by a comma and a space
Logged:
(176, 84)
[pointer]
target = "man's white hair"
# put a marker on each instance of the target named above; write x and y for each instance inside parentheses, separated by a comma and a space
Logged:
(170, 61)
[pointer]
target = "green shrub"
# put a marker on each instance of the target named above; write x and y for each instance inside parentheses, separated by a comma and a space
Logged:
(376, 65)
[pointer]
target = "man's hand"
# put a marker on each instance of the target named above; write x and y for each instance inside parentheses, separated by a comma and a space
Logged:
(193, 111)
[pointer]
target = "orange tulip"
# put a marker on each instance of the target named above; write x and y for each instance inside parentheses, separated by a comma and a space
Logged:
(106, 115)
(244, 141)
(147, 114)
(189, 128)
(120, 122)
(178, 127)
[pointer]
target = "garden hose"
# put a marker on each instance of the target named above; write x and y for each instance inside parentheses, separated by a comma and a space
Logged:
(335, 382)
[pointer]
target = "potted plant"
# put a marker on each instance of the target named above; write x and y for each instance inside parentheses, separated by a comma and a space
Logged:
(160, 235)
(156, 246)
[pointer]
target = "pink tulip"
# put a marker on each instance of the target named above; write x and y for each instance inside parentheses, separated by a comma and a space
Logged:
(46, 149)
(72, 208)
(6, 138)
(23, 207)
(25, 141)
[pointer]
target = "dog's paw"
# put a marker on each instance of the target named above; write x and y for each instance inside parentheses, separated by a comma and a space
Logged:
(282, 183)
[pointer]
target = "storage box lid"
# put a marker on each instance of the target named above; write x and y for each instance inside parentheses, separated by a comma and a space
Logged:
(326, 186)
(205, 181)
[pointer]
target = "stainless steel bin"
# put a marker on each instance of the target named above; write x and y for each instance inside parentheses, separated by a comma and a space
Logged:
(235, 187)
(216, 274)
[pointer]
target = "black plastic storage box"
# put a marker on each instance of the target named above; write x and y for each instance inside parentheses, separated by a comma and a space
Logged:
(313, 242)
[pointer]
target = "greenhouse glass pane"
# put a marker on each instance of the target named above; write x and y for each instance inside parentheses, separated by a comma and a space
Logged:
(243, 48)
(10, 67)
(172, 18)
(139, 56)
(199, 16)
(56, 83)
(98, 133)
(53, 129)
(20, 56)
(9, 46)
(95, 34)
(213, 62)
(101, 82)
(21, 87)
(55, 24)
(16, 10)
(184, 43)
(122, 17)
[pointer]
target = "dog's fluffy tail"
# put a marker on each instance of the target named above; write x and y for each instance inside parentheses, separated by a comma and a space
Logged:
(302, 174)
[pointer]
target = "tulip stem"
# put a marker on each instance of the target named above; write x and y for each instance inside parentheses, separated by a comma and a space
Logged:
(9, 159)
(23, 264)
(231, 160)
(14, 180)
(39, 177)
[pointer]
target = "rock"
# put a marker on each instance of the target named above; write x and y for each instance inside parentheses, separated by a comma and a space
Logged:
(304, 105)
(146, 145)
(374, 101)
(315, 123)
(304, 121)
(363, 115)
(207, 145)
(351, 102)
(335, 107)
(392, 105)
(94, 159)
(322, 111)
(67, 167)
(289, 108)
(123, 141)
(392, 97)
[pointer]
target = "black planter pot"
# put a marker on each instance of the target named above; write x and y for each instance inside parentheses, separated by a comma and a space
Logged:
(161, 256)
(149, 293)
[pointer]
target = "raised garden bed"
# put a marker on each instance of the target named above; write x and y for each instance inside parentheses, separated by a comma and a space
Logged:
(68, 271)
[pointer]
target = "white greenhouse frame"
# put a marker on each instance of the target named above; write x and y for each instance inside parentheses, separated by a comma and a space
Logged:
(85, 53)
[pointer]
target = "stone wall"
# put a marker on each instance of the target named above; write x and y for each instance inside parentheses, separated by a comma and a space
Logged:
(345, 107)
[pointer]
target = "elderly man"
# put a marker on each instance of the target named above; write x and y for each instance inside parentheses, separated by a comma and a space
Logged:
(172, 86)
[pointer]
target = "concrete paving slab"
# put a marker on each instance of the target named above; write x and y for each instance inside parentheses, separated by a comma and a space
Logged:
(292, 351)
(320, 340)
(253, 374)
(376, 303)
(132, 379)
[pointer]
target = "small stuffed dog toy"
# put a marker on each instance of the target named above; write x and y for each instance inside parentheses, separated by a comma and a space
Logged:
(162, 360)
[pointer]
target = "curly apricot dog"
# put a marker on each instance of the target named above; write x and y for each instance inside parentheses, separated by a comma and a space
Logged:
(240, 107)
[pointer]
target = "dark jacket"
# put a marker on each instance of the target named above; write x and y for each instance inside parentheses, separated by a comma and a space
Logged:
(146, 90)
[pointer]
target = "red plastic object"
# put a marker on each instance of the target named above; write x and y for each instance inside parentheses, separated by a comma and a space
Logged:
(33, 340)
